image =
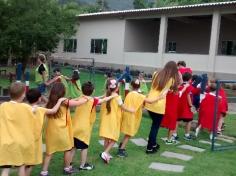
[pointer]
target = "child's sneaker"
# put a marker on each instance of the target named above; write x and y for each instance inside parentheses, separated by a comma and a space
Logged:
(122, 153)
(175, 137)
(211, 136)
(44, 173)
(168, 142)
(197, 132)
(156, 147)
(105, 157)
(70, 171)
(187, 137)
(86, 166)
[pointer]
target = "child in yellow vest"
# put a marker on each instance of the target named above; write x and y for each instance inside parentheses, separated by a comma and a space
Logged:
(111, 119)
(17, 146)
(59, 133)
(82, 123)
(34, 96)
(131, 121)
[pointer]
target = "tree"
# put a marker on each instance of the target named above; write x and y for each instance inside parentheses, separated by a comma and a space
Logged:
(102, 4)
(160, 3)
(139, 4)
(32, 25)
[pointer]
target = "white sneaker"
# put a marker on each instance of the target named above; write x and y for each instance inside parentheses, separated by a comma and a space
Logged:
(197, 131)
(105, 157)
(211, 136)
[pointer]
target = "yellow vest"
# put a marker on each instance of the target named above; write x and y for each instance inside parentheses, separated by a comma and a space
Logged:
(159, 106)
(17, 140)
(131, 121)
(110, 123)
(39, 116)
(59, 133)
(38, 77)
(83, 121)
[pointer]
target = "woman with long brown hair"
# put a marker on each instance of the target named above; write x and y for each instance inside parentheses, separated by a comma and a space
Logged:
(167, 78)
(59, 133)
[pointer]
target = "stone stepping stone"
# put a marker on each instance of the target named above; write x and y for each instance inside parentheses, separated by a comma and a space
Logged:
(176, 155)
(167, 167)
(225, 140)
(208, 142)
(102, 143)
(192, 148)
(139, 142)
(227, 137)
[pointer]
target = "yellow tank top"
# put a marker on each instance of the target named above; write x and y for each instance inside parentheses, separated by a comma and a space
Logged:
(17, 144)
(83, 121)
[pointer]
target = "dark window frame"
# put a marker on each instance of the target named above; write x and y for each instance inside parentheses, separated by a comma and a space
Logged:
(70, 45)
(98, 46)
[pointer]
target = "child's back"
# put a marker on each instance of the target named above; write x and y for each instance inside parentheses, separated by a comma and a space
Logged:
(17, 134)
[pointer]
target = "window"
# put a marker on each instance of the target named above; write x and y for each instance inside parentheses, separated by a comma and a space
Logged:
(172, 47)
(70, 45)
(98, 46)
(228, 47)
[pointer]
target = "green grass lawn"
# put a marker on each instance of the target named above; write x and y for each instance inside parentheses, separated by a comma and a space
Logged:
(136, 164)
(221, 163)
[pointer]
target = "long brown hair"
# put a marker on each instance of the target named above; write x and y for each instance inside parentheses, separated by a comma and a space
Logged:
(57, 91)
(109, 92)
(169, 71)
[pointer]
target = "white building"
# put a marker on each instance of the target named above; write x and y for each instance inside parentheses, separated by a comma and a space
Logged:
(203, 35)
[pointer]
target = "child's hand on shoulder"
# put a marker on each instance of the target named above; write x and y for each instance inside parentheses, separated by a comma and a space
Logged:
(62, 99)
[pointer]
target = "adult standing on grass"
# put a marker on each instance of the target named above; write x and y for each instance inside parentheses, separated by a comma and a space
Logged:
(166, 79)
(41, 73)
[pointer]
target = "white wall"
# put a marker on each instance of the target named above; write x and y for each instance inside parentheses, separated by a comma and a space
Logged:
(111, 29)
(225, 64)
(142, 59)
(196, 61)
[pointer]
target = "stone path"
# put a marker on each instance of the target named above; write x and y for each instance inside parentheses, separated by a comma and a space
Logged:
(225, 140)
(227, 137)
(192, 148)
(176, 155)
(139, 142)
(208, 142)
(167, 167)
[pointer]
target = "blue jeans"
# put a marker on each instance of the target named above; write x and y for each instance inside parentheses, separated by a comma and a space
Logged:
(42, 88)
(156, 122)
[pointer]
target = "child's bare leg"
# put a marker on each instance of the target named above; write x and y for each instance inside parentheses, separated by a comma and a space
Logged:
(21, 171)
(46, 162)
(170, 133)
(73, 152)
(106, 142)
(198, 130)
(109, 146)
(5, 172)
(67, 158)
(83, 157)
(188, 127)
(125, 141)
(28, 170)
(220, 123)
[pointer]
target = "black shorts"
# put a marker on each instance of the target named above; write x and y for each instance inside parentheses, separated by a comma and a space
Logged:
(5, 166)
(80, 144)
(184, 120)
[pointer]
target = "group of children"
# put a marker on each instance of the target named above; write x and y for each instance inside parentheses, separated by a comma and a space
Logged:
(22, 125)
(189, 99)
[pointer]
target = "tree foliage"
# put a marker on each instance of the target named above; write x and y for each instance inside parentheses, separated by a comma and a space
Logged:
(160, 3)
(30, 25)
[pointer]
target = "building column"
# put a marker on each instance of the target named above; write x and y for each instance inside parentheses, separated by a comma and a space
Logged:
(162, 38)
(214, 41)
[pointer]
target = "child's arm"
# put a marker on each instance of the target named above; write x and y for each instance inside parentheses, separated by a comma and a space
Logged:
(56, 107)
(52, 80)
(189, 100)
(104, 99)
(183, 90)
(123, 107)
(150, 101)
(77, 102)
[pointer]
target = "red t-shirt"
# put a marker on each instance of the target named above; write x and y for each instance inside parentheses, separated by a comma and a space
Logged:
(183, 70)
